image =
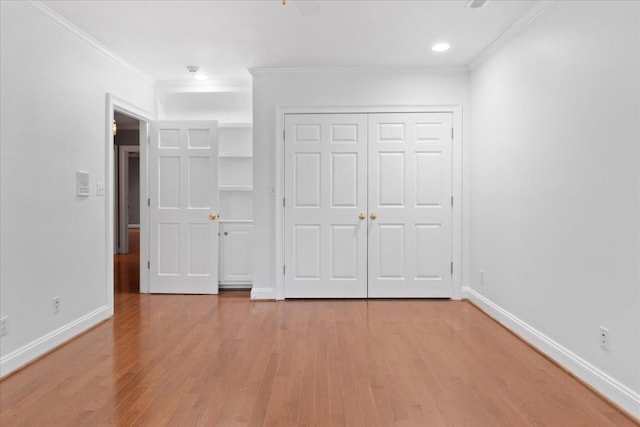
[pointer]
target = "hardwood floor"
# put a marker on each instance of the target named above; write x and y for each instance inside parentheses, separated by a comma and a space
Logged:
(223, 360)
(126, 267)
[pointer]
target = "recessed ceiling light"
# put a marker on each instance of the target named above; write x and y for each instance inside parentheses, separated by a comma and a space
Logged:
(440, 47)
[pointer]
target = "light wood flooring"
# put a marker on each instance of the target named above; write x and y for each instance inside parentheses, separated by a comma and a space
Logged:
(175, 360)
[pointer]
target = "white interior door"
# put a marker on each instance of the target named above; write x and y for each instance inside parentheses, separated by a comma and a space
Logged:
(410, 247)
(183, 190)
(325, 206)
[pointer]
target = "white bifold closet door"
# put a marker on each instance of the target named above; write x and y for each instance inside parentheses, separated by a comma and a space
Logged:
(325, 206)
(410, 248)
(183, 208)
(368, 205)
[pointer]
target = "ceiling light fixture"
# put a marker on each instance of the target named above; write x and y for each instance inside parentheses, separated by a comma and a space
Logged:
(440, 47)
(193, 70)
(476, 4)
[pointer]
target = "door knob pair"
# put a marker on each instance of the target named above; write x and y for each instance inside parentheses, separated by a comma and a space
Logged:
(363, 216)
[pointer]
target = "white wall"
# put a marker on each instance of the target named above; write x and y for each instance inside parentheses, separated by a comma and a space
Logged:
(53, 115)
(334, 88)
(554, 184)
(225, 107)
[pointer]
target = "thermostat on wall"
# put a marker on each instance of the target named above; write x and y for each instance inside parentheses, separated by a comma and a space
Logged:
(82, 183)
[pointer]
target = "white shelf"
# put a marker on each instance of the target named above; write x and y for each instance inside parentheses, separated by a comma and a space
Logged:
(236, 155)
(235, 187)
(235, 125)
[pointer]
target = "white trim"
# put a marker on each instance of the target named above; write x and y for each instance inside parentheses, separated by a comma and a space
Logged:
(525, 20)
(115, 103)
(72, 29)
(263, 293)
(457, 177)
(375, 70)
(611, 388)
(123, 181)
(40, 346)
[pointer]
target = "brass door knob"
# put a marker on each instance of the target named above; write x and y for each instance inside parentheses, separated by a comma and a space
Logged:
(213, 216)
(373, 216)
(362, 216)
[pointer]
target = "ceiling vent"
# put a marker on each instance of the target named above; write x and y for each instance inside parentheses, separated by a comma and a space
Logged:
(476, 4)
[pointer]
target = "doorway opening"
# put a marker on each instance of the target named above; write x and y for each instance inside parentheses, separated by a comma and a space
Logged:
(126, 215)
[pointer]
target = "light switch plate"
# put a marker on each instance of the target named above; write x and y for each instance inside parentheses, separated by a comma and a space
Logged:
(100, 189)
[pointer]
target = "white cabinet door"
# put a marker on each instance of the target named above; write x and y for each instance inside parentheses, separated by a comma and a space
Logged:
(183, 188)
(236, 253)
(410, 205)
(325, 194)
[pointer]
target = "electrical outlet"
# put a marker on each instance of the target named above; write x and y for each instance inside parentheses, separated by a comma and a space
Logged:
(605, 339)
(482, 277)
(4, 325)
(56, 305)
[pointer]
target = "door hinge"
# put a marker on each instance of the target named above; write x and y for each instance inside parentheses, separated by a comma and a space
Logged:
(452, 268)
(451, 201)
(148, 265)
(148, 139)
(451, 133)
(148, 202)
(283, 135)
(284, 269)
(283, 202)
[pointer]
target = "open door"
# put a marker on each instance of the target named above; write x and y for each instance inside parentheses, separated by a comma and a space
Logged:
(183, 207)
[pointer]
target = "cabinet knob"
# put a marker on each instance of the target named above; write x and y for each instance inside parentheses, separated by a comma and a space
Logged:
(362, 216)
(373, 216)
(213, 216)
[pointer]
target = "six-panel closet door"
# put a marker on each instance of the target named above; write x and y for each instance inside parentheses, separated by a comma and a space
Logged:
(325, 206)
(409, 202)
(368, 205)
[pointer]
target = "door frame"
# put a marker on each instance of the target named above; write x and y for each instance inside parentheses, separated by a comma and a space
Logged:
(118, 104)
(123, 195)
(456, 178)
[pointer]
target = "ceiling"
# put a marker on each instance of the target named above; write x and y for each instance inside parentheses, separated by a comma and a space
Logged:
(225, 38)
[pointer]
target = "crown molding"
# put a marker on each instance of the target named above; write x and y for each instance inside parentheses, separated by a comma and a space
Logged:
(373, 70)
(72, 29)
(525, 20)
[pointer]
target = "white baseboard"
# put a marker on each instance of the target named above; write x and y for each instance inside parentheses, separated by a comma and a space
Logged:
(263, 293)
(34, 349)
(609, 387)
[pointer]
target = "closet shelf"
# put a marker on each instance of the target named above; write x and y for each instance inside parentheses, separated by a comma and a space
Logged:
(235, 187)
(236, 155)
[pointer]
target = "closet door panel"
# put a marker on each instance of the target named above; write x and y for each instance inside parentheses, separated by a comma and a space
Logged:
(409, 189)
(325, 195)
